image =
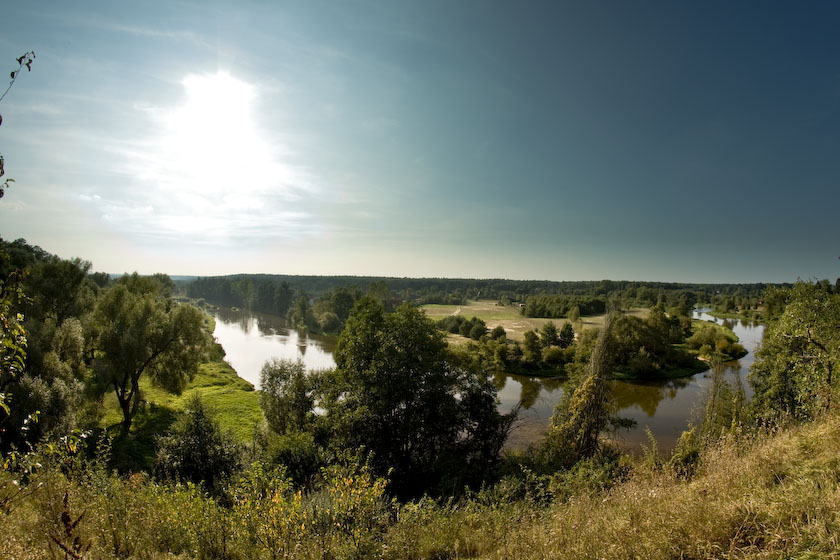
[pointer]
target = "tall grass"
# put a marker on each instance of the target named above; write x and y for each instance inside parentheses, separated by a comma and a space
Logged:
(771, 496)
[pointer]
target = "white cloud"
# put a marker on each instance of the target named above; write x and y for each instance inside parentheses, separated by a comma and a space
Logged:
(209, 173)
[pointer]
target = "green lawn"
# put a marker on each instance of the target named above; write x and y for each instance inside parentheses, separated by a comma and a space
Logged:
(235, 402)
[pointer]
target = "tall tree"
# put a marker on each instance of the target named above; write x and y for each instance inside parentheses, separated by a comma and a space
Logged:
(567, 336)
(401, 395)
(795, 372)
(549, 336)
(143, 333)
(579, 420)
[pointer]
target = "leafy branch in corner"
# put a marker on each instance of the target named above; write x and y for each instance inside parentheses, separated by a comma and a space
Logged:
(25, 59)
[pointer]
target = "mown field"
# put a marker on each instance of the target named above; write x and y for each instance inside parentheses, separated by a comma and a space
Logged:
(509, 317)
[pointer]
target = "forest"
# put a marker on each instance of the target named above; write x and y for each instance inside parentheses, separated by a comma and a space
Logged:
(398, 452)
(277, 293)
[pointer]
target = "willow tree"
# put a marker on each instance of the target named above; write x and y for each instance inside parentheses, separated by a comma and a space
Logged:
(143, 333)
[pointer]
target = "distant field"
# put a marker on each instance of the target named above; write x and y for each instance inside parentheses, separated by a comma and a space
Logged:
(508, 317)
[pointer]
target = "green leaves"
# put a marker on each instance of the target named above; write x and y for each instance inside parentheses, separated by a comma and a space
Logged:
(795, 370)
(142, 333)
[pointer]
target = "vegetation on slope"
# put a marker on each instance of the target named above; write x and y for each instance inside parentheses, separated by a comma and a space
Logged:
(757, 480)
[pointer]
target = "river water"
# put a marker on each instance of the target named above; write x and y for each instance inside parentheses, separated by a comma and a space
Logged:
(251, 338)
(665, 407)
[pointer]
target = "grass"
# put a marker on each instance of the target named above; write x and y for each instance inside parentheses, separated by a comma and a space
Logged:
(235, 404)
(775, 497)
(509, 317)
(752, 497)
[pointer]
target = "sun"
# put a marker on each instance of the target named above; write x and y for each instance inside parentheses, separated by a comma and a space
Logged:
(213, 172)
(213, 142)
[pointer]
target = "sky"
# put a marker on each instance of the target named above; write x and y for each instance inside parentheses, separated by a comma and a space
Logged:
(661, 141)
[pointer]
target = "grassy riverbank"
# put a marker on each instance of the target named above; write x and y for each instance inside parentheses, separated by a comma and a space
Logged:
(235, 403)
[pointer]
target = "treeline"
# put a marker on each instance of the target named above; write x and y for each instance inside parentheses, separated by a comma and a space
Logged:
(559, 305)
(274, 293)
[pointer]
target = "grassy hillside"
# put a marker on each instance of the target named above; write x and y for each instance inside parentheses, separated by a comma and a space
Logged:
(770, 497)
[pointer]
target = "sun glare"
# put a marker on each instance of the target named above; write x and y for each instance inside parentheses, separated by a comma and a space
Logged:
(211, 169)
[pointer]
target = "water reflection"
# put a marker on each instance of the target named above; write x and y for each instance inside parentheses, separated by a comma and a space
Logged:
(646, 395)
(666, 407)
(251, 338)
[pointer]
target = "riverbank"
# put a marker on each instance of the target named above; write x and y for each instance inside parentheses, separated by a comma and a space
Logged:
(232, 399)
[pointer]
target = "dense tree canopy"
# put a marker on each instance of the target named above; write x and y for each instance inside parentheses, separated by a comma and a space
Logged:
(796, 367)
(399, 394)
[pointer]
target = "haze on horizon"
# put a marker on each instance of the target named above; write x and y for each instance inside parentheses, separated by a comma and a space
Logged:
(666, 141)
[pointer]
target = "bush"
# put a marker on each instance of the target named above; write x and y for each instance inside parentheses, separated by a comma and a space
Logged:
(196, 450)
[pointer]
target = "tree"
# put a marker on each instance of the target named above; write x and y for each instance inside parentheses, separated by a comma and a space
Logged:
(398, 393)
(579, 419)
(795, 369)
(300, 314)
(567, 336)
(197, 450)
(286, 395)
(532, 348)
(549, 335)
(574, 314)
(140, 332)
(498, 333)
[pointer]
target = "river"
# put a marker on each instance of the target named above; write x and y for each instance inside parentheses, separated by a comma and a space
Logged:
(250, 338)
(665, 407)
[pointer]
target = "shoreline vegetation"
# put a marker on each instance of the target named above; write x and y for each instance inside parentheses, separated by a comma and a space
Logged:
(500, 337)
(126, 435)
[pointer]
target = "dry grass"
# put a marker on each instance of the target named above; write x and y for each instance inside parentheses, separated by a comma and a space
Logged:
(772, 497)
(509, 317)
(776, 499)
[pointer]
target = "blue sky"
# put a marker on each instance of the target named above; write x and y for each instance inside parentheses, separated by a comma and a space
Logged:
(667, 141)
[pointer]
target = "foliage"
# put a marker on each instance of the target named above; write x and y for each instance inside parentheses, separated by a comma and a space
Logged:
(567, 336)
(473, 328)
(300, 315)
(13, 340)
(141, 332)
(578, 421)
(545, 305)
(400, 395)
(196, 450)
(286, 395)
(711, 339)
(794, 372)
(346, 513)
(549, 335)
